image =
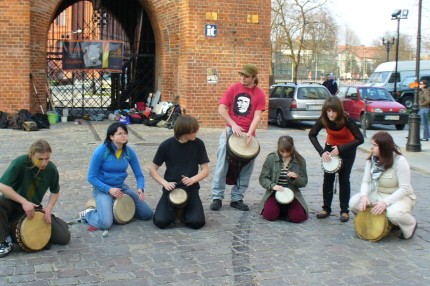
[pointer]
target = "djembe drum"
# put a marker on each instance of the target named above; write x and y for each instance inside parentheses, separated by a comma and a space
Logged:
(178, 198)
(332, 166)
(239, 154)
(284, 197)
(31, 235)
(371, 227)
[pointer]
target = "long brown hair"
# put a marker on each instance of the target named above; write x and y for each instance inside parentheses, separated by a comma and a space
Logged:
(286, 144)
(333, 103)
(386, 148)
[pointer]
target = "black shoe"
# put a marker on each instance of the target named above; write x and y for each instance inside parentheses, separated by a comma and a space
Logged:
(5, 248)
(216, 204)
(424, 140)
(323, 214)
(413, 233)
(239, 205)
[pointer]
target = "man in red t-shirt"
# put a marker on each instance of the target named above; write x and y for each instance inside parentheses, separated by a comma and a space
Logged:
(241, 107)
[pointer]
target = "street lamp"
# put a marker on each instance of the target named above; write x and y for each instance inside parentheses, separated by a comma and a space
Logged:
(388, 44)
(414, 144)
(398, 15)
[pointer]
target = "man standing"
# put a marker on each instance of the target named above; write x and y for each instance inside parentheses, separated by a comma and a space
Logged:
(330, 84)
(241, 107)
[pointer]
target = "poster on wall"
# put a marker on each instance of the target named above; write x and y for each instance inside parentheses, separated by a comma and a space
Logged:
(93, 55)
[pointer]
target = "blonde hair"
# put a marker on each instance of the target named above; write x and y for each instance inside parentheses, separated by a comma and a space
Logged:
(39, 146)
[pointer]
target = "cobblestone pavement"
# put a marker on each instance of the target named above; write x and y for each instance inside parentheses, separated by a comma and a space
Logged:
(234, 248)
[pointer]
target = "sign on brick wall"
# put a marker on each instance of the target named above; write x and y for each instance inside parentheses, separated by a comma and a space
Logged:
(84, 55)
(211, 30)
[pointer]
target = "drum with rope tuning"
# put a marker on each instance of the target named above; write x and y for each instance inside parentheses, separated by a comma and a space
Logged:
(284, 197)
(31, 235)
(332, 166)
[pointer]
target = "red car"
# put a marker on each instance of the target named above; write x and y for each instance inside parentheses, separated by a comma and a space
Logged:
(381, 106)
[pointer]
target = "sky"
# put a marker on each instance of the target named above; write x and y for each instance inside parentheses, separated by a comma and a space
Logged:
(371, 19)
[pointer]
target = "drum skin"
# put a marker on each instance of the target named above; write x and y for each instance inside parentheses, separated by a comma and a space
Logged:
(371, 227)
(284, 197)
(333, 165)
(31, 235)
(237, 148)
(123, 209)
(178, 197)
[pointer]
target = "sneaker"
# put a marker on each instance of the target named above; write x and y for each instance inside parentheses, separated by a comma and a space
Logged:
(424, 139)
(5, 248)
(216, 204)
(83, 214)
(239, 205)
(344, 217)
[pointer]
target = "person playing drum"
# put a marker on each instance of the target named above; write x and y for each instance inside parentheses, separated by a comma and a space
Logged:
(23, 186)
(343, 138)
(241, 107)
(386, 185)
(107, 174)
(284, 170)
(183, 154)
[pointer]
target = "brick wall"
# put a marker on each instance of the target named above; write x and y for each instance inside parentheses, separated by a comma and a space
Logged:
(183, 52)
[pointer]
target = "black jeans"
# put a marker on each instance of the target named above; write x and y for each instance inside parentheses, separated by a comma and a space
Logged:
(165, 212)
(11, 211)
(348, 159)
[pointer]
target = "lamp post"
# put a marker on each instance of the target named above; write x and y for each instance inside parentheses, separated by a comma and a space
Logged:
(398, 15)
(388, 44)
(414, 144)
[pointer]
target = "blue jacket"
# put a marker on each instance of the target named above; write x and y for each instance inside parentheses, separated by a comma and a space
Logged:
(106, 171)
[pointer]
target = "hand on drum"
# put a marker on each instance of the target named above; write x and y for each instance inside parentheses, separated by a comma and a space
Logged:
(335, 151)
(116, 192)
(379, 207)
(28, 208)
(364, 202)
(187, 181)
(169, 186)
(141, 194)
(47, 214)
(237, 129)
(278, 188)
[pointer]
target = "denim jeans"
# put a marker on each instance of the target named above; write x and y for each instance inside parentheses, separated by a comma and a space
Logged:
(102, 217)
(220, 174)
(424, 114)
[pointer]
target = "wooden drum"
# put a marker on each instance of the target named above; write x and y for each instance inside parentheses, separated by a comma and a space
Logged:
(31, 234)
(371, 227)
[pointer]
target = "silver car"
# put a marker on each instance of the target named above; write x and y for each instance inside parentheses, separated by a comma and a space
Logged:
(296, 102)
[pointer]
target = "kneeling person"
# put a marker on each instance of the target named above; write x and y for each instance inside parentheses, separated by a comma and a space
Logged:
(182, 154)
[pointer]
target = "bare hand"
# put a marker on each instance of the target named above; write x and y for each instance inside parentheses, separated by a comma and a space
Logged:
(47, 215)
(292, 175)
(379, 207)
(335, 151)
(364, 202)
(237, 129)
(278, 188)
(28, 208)
(326, 156)
(141, 194)
(187, 181)
(170, 186)
(116, 192)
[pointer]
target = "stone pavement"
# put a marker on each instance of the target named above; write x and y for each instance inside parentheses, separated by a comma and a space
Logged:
(234, 248)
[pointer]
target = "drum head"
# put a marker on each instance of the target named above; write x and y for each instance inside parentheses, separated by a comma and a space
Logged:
(124, 209)
(371, 227)
(35, 233)
(285, 197)
(237, 146)
(178, 196)
(333, 165)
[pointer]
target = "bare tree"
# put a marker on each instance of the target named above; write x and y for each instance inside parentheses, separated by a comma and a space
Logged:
(291, 22)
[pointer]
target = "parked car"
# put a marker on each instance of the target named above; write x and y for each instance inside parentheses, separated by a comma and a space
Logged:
(405, 94)
(381, 106)
(296, 102)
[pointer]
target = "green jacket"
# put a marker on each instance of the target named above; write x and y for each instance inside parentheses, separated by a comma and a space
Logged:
(270, 174)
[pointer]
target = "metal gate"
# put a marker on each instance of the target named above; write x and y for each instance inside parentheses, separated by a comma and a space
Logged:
(91, 92)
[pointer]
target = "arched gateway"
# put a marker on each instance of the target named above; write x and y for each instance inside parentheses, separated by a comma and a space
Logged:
(190, 49)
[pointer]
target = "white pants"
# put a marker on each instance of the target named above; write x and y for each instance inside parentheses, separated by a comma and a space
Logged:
(399, 213)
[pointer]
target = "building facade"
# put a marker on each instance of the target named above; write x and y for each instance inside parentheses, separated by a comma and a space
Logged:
(199, 48)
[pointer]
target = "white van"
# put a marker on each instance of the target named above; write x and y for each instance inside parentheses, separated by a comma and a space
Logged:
(384, 73)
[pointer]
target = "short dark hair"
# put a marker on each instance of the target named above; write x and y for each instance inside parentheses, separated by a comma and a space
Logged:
(185, 124)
